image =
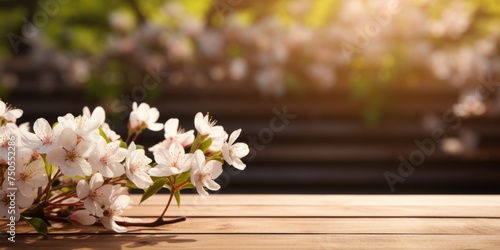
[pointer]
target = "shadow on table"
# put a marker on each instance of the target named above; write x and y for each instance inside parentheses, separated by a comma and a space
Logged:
(98, 241)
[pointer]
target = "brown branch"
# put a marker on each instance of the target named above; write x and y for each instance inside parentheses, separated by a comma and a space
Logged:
(159, 222)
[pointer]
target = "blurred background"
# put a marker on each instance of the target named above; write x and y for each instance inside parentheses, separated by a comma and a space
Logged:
(333, 96)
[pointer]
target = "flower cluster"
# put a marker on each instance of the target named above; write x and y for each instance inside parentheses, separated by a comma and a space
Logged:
(80, 170)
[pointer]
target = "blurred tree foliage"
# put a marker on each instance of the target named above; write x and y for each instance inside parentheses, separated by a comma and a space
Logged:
(281, 46)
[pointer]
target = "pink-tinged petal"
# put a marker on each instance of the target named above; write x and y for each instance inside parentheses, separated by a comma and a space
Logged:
(112, 147)
(234, 135)
(131, 148)
(201, 124)
(67, 121)
(211, 184)
(67, 139)
(216, 145)
(154, 114)
(42, 128)
(240, 149)
(3, 107)
(226, 155)
(91, 124)
(201, 190)
(24, 201)
(171, 127)
(113, 169)
(93, 207)
(143, 109)
(161, 156)
(100, 146)
(84, 148)
(95, 162)
(142, 180)
(30, 140)
(99, 114)
(82, 217)
(186, 139)
(25, 189)
(23, 157)
(119, 190)
(155, 126)
(110, 224)
(237, 163)
(121, 202)
(157, 146)
(163, 171)
(86, 111)
(195, 176)
(82, 167)
(186, 164)
(38, 177)
(96, 181)
(218, 132)
(134, 121)
(103, 194)
(176, 150)
(199, 159)
(16, 113)
(119, 155)
(57, 157)
(82, 189)
(214, 168)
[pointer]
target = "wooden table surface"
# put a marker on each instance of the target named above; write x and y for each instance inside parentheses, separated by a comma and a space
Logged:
(293, 222)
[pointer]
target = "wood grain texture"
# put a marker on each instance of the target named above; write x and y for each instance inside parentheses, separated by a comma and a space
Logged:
(292, 222)
(256, 241)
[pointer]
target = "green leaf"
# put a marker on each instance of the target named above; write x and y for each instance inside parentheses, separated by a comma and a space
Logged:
(196, 143)
(123, 144)
(177, 195)
(49, 169)
(131, 185)
(217, 156)
(183, 176)
(101, 133)
(38, 224)
(188, 185)
(205, 145)
(153, 189)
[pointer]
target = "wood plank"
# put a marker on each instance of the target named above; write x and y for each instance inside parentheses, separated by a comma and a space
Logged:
(299, 226)
(339, 200)
(316, 211)
(254, 241)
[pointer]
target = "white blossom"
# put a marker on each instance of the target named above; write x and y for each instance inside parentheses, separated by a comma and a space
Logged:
(107, 157)
(174, 134)
(113, 212)
(203, 173)
(137, 167)
(233, 152)
(172, 161)
(207, 127)
(8, 113)
(143, 116)
(30, 177)
(71, 155)
(43, 140)
(84, 126)
(95, 193)
(82, 217)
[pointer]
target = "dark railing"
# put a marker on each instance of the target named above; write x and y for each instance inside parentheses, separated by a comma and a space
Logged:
(327, 148)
